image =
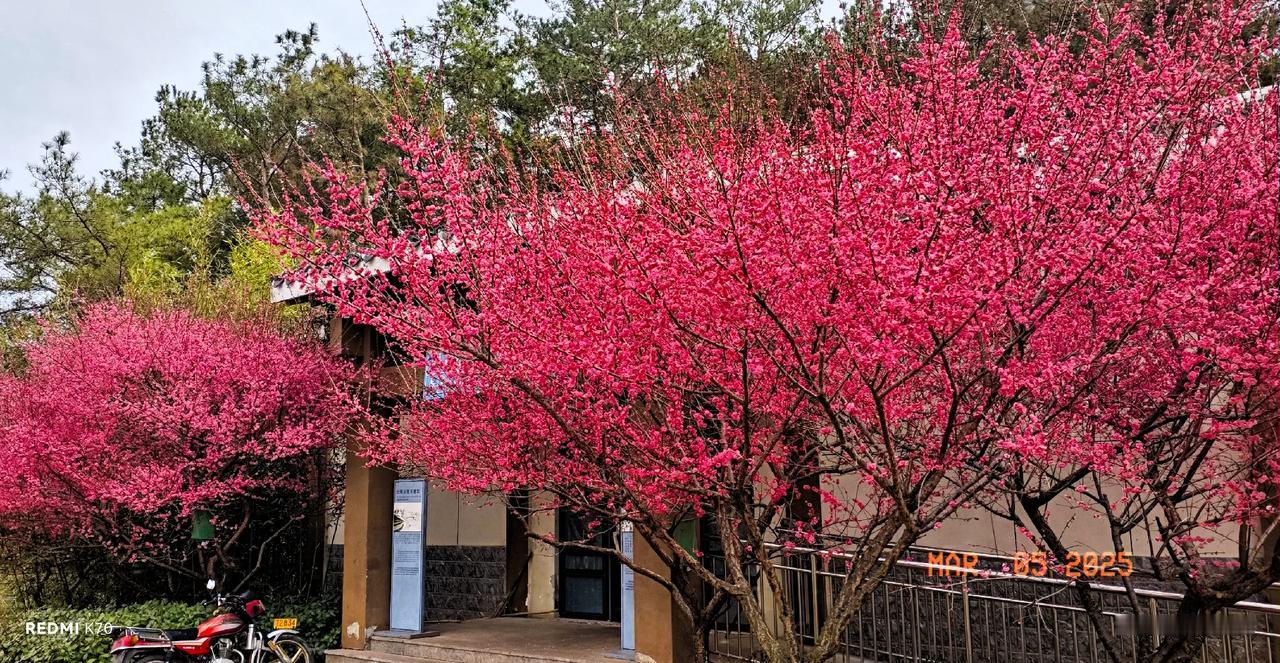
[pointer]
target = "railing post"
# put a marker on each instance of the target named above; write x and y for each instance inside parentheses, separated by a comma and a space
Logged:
(1155, 622)
(968, 624)
(813, 593)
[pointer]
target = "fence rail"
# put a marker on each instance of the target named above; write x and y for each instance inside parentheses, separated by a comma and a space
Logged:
(992, 617)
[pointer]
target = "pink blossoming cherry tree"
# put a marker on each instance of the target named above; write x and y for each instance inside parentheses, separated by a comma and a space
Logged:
(828, 333)
(125, 425)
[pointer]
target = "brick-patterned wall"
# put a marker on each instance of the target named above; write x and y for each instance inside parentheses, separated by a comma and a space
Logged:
(465, 582)
(333, 574)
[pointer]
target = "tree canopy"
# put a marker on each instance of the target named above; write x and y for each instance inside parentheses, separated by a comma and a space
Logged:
(125, 425)
(834, 333)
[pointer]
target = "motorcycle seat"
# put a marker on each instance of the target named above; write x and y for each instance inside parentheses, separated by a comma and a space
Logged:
(180, 634)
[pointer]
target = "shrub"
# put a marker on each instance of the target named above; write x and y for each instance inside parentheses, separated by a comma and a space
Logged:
(319, 619)
(79, 635)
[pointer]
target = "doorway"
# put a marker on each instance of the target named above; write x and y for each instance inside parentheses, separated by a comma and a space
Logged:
(589, 584)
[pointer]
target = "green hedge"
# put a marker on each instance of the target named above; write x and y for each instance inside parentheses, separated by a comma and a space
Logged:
(75, 636)
(319, 620)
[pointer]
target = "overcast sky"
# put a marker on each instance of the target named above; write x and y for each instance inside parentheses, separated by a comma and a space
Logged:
(92, 67)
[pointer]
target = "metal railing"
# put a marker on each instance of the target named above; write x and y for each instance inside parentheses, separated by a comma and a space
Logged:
(920, 614)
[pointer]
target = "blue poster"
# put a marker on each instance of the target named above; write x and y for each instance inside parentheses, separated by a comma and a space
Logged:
(627, 542)
(408, 540)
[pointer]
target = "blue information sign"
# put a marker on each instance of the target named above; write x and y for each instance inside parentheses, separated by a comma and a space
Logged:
(627, 542)
(408, 538)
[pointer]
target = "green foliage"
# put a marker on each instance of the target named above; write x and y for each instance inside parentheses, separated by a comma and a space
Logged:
(73, 241)
(253, 264)
(591, 45)
(488, 62)
(476, 62)
(87, 642)
(39, 570)
(318, 621)
(241, 292)
(258, 118)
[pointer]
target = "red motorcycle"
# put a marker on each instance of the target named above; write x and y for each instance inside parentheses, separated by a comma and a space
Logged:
(216, 640)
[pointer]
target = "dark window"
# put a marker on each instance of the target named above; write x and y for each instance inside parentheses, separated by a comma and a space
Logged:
(385, 349)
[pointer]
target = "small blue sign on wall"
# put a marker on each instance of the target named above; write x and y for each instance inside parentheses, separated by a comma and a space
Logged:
(433, 387)
(408, 542)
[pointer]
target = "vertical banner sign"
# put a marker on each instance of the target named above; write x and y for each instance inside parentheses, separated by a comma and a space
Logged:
(627, 543)
(408, 538)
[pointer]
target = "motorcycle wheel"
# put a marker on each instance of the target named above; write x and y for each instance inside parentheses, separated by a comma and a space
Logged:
(293, 649)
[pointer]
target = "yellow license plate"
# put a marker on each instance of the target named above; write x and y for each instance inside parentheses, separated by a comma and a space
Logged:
(288, 622)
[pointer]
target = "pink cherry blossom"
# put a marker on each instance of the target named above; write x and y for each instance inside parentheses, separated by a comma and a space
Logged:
(953, 265)
(128, 420)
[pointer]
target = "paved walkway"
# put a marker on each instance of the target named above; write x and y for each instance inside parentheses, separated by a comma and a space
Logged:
(501, 640)
(551, 639)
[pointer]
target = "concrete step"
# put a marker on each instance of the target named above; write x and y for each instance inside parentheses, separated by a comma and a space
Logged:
(508, 640)
(357, 656)
(424, 649)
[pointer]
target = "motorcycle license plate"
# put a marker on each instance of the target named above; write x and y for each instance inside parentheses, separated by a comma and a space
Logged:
(284, 622)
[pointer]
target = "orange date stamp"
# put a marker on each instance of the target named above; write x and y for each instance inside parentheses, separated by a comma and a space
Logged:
(946, 563)
(1077, 565)
(1037, 564)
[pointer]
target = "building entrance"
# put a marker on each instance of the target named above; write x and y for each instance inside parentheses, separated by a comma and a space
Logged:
(589, 583)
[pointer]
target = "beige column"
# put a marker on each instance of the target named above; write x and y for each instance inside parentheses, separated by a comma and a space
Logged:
(662, 634)
(541, 597)
(366, 562)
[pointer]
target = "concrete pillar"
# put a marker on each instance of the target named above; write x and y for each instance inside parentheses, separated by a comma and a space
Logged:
(541, 593)
(366, 562)
(662, 634)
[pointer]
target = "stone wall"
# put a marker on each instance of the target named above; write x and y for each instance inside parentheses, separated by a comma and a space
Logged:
(465, 582)
(333, 567)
